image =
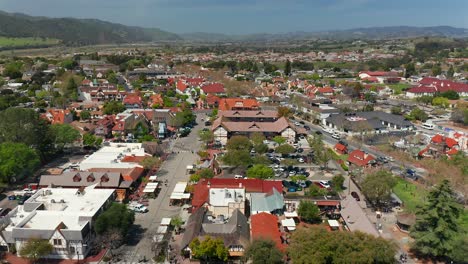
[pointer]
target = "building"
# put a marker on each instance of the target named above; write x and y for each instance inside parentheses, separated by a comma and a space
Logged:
(371, 122)
(64, 217)
(245, 123)
(265, 226)
(379, 76)
(360, 158)
(113, 155)
(58, 116)
(226, 104)
(213, 88)
(223, 201)
(430, 86)
(132, 101)
(270, 202)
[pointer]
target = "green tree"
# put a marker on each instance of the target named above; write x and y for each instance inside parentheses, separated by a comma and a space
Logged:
(117, 217)
(263, 251)
(90, 140)
(309, 212)
(315, 191)
(285, 149)
(238, 143)
(450, 72)
(410, 70)
(206, 173)
(436, 70)
(417, 114)
(321, 154)
(319, 246)
(261, 148)
(113, 107)
(150, 163)
(451, 95)
(260, 171)
(436, 223)
(209, 249)
(17, 161)
(257, 138)
(63, 134)
(440, 101)
(287, 68)
(279, 140)
(36, 248)
(71, 89)
(284, 111)
(377, 187)
(206, 136)
(176, 223)
(337, 182)
(85, 115)
(13, 70)
(237, 158)
(396, 110)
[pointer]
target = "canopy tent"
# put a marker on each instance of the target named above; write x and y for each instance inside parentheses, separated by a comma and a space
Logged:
(180, 196)
(162, 230)
(289, 224)
(180, 187)
(165, 221)
(150, 187)
(153, 178)
(333, 224)
(290, 214)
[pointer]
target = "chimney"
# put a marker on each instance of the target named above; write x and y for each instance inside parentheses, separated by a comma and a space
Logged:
(240, 184)
(209, 184)
(366, 155)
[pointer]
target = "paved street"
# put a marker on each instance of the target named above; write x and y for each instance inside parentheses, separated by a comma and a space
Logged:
(173, 170)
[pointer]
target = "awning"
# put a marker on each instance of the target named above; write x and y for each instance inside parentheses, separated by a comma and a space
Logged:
(150, 187)
(289, 224)
(290, 214)
(327, 203)
(189, 167)
(165, 221)
(180, 196)
(180, 187)
(333, 223)
(153, 178)
(162, 230)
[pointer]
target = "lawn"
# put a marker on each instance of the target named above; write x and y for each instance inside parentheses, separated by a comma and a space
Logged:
(411, 194)
(26, 42)
(398, 88)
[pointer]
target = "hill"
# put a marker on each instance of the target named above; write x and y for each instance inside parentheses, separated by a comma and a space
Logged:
(72, 31)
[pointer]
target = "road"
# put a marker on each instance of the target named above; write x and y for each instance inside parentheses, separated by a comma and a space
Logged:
(173, 170)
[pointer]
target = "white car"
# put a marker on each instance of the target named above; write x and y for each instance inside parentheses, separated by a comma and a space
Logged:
(325, 184)
(301, 160)
(137, 207)
(335, 136)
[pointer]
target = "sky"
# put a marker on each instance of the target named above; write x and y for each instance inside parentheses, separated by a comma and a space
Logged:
(253, 16)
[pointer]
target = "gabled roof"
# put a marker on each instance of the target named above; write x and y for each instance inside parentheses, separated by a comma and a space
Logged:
(340, 147)
(132, 99)
(82, 178)
(265, 226)
(215, 88)
(230, 103)
(201, 189)
(360, 158)
(450, 142)
(275, 127)
(266, 202)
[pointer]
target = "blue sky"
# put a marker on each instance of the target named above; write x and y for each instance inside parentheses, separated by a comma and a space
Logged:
(253, 16)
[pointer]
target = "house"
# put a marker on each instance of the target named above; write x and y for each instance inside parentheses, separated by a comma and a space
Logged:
(202, 188)
(155, 100)
(360, 158)
(213, 88)
(132, 101)
(235, 232)
(246, 123)
(226, 104)
(265, 226)
(270, 202)
(440, 145)
(58, 116)
(63, 217)
(223, 201)
(430, 86)
(104, 126)
(98, 93)
(379, 76)
(340, 148)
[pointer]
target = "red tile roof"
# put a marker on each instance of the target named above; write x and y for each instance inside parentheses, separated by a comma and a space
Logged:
(340, 147)
(325, 90)
(155, 99)
(433, 85)
(200, 195)
(360, 158)
(215, 88)
(135, 159)
(379, 73)
(212, 99)
(237, 103)
(265, 226)
(450, 142)
(132, 99)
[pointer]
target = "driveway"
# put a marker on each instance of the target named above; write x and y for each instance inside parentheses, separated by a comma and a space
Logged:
(139, 247)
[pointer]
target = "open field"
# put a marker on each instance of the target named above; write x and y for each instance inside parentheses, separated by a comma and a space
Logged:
(398, 88)
(6, 42)
(411, 194)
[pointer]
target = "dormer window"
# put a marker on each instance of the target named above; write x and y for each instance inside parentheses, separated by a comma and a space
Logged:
(76, 178)
(90, 178)
(104, 178)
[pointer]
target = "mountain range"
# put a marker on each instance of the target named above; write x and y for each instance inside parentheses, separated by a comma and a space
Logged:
(72, 31)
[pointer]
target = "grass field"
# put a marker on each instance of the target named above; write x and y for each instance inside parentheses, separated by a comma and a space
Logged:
(398, 87)
(26, 42)
(411, 194)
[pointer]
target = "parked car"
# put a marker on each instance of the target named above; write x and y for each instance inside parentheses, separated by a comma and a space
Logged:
(355, 196)
(325, 184)
(300, 160)
(307, 128)
(137, 207)
(318, 132)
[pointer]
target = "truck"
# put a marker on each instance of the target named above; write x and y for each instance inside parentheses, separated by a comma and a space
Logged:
(137, 207)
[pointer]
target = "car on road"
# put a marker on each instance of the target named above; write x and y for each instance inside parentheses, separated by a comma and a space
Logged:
(318, 132)
(335, 135)
(307, 128)
(355, 196)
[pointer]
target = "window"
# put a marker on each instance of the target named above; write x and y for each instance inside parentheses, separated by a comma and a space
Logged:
(57, 242)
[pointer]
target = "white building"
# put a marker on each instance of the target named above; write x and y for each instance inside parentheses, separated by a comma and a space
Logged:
(64, 217)
(223, 201)
(111, 156)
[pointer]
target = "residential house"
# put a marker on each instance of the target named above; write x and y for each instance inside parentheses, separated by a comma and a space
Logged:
(213, 88)
(226, 104)
(379, 76)
(155, 100)
(63, 217)
(58, 116)
(340, 148)
(132, 101)
(360, 158)
(430, 86)
(440, 145)
(104, 126)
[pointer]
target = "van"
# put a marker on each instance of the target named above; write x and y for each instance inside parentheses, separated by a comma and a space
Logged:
(428, 126)
(237, 176)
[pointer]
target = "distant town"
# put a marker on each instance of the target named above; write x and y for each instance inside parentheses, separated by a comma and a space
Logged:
(327, 152)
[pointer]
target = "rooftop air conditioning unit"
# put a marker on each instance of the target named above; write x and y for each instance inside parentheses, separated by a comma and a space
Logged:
(52, 201)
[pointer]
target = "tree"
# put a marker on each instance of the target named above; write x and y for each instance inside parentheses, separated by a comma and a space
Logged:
(285, 149)
(337, 182)
(110, 239)
(317, 245)
(309, 212)
(17, 161)
(206, 136)
(436, 223)
(150, 162)
(263, 251)
(176, 223)
(440, 101)
(239, 143)
(113, 107)
(206, 173)
(287, 68)
(321, 154)
(85, 115)
(13, 70)
(284, 111)
(117, 217)
(257, 138)
(417, 114)
(377, 187)
(436, 70)
(63, 134)
(260, 171)
(410, 70)
(237, 158)
(71, 89)
(451, 95)
(36, 248)
(209, 249)
(279, 140)
(261, 148)
(90, 140)
(450, 72)
(396, 110)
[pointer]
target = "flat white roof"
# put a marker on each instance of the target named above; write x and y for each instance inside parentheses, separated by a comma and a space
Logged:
(180, 187)
(333, 223)
(153, 178)
(289, 223)
(225, 196)
(166, 221)
(61, 205)
(110, 156)
(290, 214)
